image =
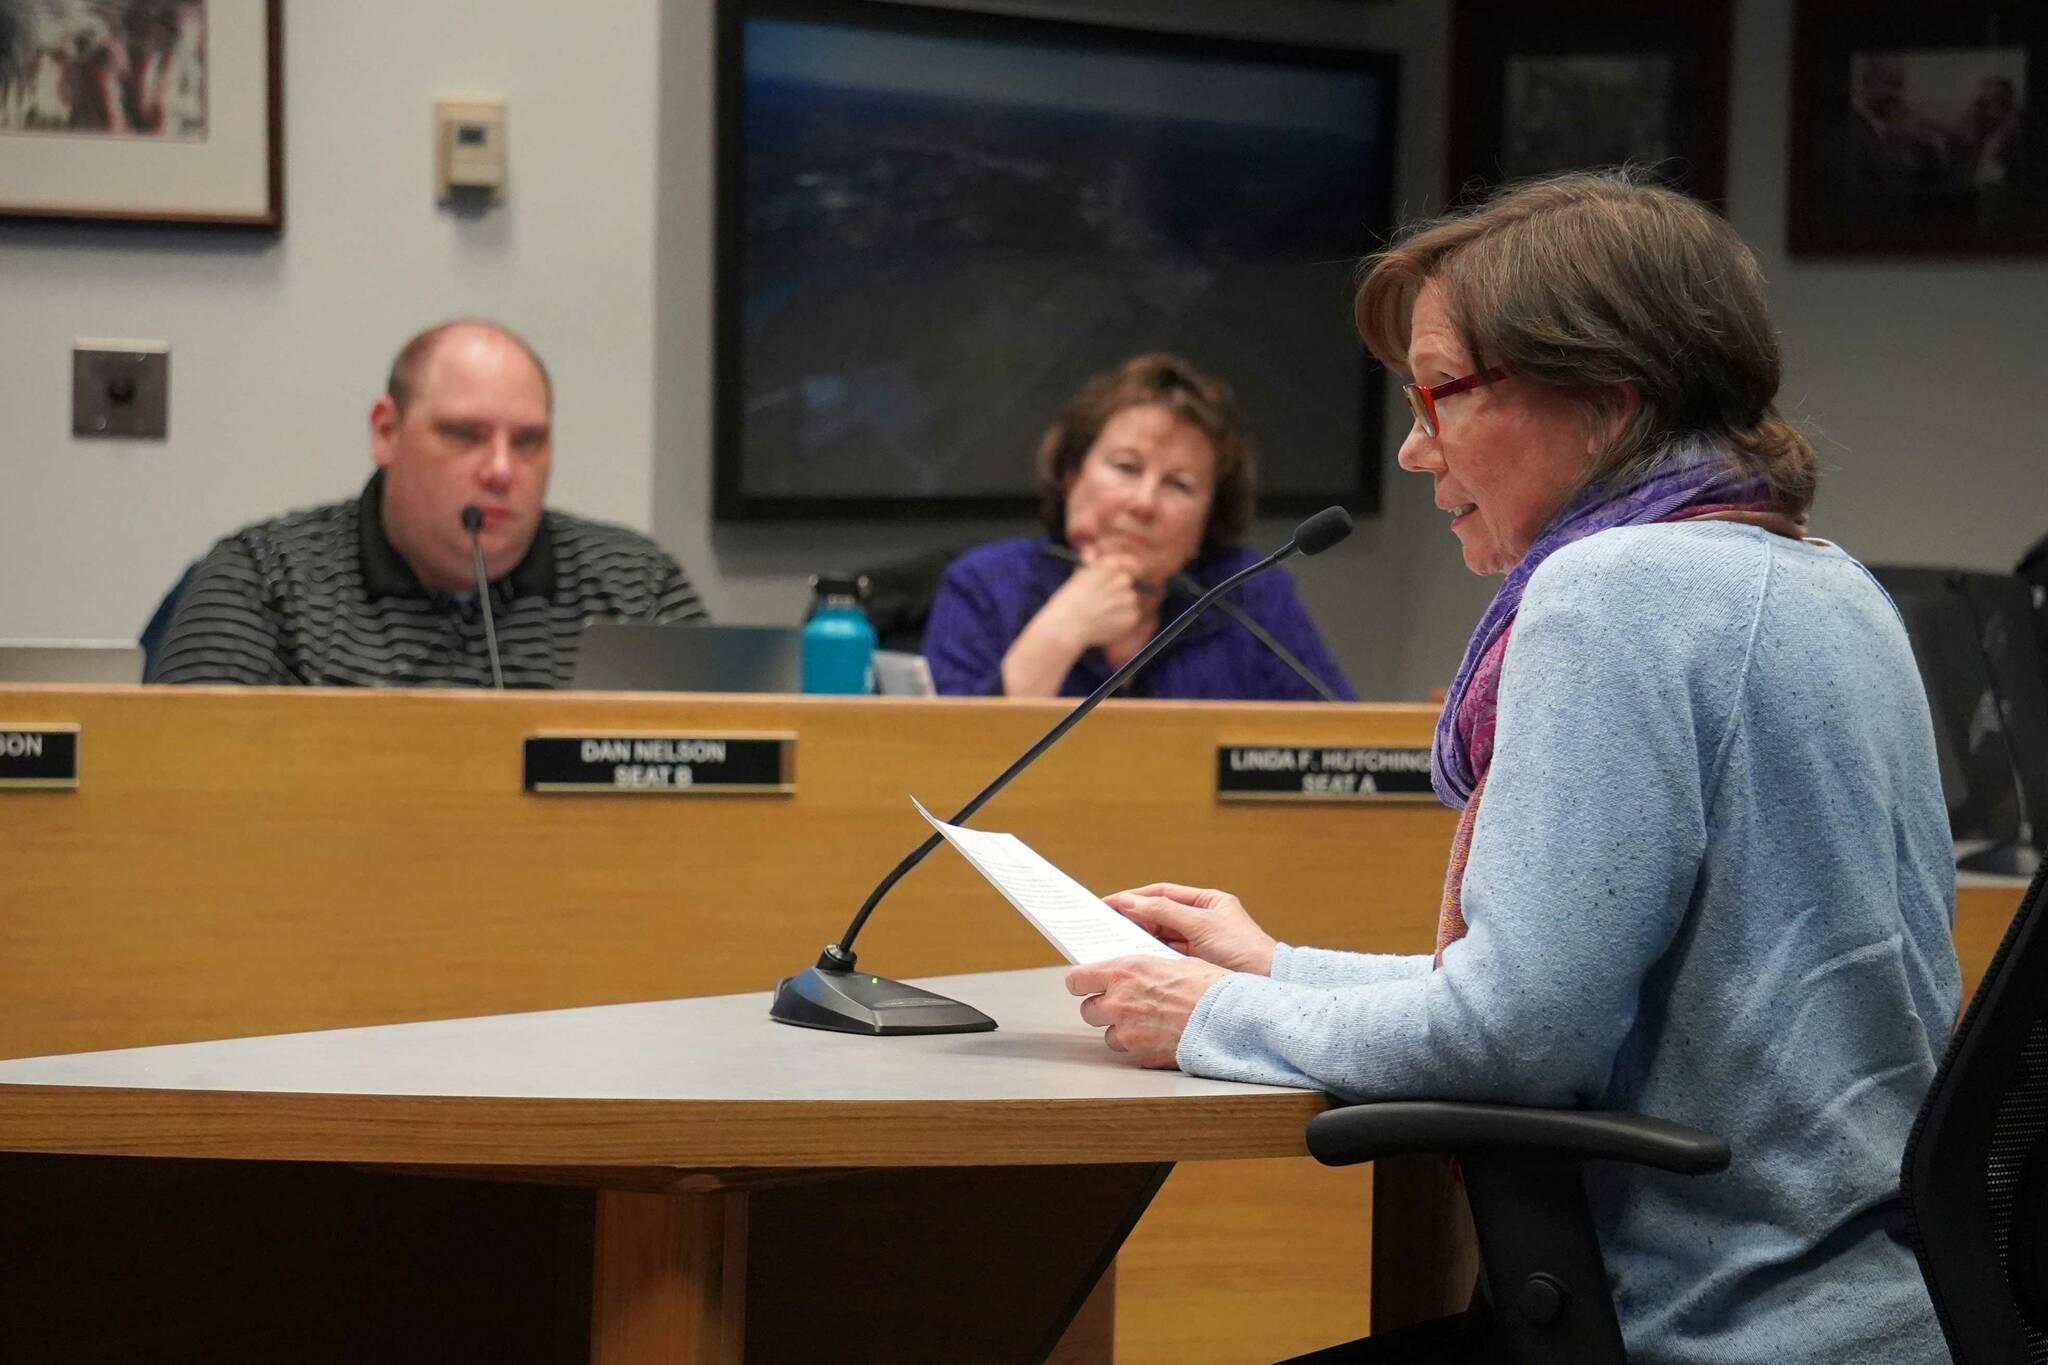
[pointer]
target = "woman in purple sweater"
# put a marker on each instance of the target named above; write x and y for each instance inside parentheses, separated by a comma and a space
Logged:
(1147, 481)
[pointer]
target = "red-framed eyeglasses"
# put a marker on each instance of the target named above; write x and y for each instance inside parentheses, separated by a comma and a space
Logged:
(1422, 398)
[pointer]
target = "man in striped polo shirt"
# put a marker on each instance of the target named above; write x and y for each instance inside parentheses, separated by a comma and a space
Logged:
(380, 590)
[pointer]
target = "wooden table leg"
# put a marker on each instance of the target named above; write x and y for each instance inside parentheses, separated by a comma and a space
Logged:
(669, 1278)
(1090, 1339)
(1425, 1258)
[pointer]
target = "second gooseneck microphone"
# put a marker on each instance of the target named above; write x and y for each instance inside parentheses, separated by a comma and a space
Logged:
(1188, 584)
(473, 522)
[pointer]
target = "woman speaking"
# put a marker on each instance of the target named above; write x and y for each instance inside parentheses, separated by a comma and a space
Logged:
(1702, 869)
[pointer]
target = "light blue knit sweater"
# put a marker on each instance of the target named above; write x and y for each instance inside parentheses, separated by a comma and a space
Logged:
(1710, 880)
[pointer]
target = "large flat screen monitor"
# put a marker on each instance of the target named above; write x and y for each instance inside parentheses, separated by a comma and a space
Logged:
(1973, 636)
(934, 225)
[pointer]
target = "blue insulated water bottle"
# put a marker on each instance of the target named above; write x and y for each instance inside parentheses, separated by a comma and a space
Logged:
(839, 644)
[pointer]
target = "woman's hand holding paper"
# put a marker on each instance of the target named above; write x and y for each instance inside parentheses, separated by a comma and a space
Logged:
(1211, 925)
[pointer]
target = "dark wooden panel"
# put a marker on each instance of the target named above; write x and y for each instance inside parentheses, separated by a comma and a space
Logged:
(999, 1261)
(113, 1259)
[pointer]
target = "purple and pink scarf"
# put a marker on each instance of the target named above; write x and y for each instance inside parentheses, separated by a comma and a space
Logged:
(1463, 751)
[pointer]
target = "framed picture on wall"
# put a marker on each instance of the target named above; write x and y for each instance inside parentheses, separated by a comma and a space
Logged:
(934, 225)
(160, 111)
(1542, 86)
(1918, 129)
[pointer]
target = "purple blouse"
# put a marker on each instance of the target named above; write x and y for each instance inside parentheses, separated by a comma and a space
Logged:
(990, 593)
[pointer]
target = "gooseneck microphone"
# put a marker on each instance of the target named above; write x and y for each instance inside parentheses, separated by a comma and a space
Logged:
(832, 995)
(1185, 582)
(473, 522)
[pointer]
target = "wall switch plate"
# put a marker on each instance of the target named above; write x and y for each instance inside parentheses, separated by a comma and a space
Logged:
(120, 388)
(469, 148)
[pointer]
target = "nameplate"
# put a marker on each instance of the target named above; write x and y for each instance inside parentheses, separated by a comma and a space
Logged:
(1321, 772)
(661, 764)
(38, 756)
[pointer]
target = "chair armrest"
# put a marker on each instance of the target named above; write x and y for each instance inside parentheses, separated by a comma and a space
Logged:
(1362, 1132)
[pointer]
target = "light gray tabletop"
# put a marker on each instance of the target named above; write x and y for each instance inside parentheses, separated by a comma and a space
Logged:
(715, 1048)
(709, 1080)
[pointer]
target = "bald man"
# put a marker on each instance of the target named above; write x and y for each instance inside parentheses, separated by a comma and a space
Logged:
(380, 590)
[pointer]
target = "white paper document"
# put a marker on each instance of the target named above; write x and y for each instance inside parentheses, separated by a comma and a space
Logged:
(1072, 918)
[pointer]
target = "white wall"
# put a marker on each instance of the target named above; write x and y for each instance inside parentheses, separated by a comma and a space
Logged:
(279, 345)
(1923, 376)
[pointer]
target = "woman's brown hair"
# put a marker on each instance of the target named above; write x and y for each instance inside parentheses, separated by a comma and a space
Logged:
(1593, 281)
(1201, 400)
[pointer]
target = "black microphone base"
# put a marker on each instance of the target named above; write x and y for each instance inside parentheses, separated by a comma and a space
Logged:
(858, 1002)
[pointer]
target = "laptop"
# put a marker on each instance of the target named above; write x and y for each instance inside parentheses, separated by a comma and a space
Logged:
(70, 661)
(616, 656)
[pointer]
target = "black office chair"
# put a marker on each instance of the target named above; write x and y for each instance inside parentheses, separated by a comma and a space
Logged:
(900, 596)
(1543, 1281)
(1975, 1174)
(2033, 571)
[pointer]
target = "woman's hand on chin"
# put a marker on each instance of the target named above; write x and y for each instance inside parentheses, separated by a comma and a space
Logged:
(1100, 602)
